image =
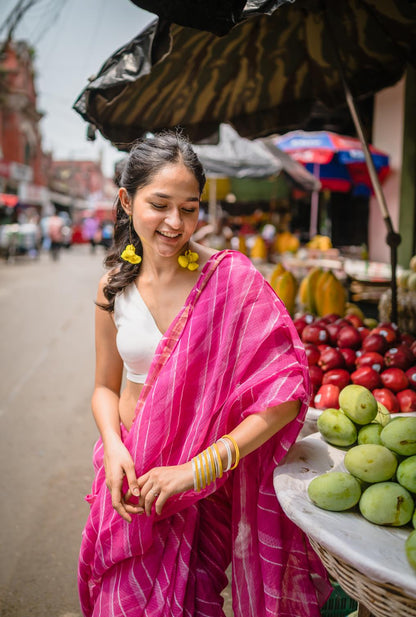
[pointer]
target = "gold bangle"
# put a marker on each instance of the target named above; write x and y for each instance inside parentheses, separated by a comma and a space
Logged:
(207, 467)
(199, 474)
(196, 475)
(217, 452)
(212, 463)
(236, 448)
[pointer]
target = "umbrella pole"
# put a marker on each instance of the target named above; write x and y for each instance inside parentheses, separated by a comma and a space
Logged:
(393, 239)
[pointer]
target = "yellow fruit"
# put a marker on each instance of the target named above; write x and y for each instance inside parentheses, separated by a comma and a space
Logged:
(371, 462)
(259, 250)
(410, 548)
(330, 296)
(242, 247)
(286, 242)
(411, 282)
(312, 279)
(318, 293)
(286, 287)
(359, 404)
(354, 309)
(303, 292)
(279, 269)
(387, 503)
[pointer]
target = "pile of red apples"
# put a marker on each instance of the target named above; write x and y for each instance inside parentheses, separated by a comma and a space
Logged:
(342, 350)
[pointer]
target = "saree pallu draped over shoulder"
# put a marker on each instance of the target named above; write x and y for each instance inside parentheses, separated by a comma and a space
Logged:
(231, 351)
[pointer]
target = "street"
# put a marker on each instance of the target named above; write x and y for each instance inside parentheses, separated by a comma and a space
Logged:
(47, 430)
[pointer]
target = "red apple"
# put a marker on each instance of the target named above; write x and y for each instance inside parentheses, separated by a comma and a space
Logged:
(349, 336)
(338, 376)
(407, 338)
(387, 331)
(354, 320)
(367, 377)
(387, 398)
(374, 342)
(333, 329)
(397, 357)
(371, 358)
(349, 357)
(411, 376)
(312, 353)
(302, 321)
(327, 396)
(316, 334)
(364, 332)
(316, 374)
(331, 358)
(330, 318)
(407, 400)
(342, 322)
(395, 379)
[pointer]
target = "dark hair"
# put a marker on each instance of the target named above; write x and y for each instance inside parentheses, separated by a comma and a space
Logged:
(146, 158)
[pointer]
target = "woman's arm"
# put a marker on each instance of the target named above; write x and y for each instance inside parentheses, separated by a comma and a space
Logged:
(160, 483)
(105, 408)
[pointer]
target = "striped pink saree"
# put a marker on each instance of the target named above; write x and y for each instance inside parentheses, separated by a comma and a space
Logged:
(230, 352)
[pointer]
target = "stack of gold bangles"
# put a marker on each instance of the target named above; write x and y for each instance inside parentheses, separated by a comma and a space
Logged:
(207, 466)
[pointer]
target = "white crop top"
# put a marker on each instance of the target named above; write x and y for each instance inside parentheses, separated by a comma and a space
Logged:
(137, 333)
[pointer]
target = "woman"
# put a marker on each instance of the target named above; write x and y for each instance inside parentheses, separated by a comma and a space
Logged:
(216, 392)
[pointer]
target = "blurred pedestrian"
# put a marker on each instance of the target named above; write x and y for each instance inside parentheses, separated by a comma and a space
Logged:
(90, 227)
(54, 230)
(216, 391)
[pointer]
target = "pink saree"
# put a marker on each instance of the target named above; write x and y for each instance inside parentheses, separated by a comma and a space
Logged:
(230, 352)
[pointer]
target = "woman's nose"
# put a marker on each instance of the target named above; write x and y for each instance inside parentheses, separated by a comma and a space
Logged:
(174, 219)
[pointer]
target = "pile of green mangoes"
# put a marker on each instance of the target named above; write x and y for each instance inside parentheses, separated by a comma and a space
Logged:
(380, 459)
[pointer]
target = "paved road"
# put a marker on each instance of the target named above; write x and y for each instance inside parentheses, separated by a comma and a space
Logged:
(46, 429)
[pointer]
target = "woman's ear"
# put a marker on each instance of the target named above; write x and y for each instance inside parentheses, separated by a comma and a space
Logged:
(125, 200)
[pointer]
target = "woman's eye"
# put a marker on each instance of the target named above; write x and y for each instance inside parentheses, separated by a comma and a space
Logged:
(158, 206)
(189, 210)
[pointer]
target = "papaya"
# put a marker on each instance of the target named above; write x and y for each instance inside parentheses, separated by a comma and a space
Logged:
(332, 296)
(312, 279)
(303, 292)
(286, 242)
(286, 287)
(259, 249)
(319, 287)
(279, 269)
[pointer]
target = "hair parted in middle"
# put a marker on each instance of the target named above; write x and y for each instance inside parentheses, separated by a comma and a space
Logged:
(146, 158)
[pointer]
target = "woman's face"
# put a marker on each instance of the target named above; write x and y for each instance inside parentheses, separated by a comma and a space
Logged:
(165, 211)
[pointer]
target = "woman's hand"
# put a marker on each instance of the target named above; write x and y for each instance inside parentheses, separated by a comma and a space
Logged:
(160, 483)
(118, 463)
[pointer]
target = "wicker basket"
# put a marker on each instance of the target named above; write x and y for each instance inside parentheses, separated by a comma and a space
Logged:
(381, 599)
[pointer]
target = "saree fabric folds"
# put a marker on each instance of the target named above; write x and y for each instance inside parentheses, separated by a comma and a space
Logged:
(230, 352)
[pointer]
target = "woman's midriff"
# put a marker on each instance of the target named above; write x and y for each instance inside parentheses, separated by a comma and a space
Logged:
(128, 402)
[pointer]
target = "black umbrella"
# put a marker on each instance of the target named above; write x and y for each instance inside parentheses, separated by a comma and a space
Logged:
(264, 76)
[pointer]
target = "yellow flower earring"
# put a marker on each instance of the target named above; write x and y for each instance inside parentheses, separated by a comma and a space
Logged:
(189, 260)
(129, 253)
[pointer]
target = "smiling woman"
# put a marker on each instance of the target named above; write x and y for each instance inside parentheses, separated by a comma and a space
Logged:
(216, 392)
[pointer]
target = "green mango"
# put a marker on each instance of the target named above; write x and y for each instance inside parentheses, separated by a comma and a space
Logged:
(358, 404)
(335, 491)
(399, 435)
(410, 548)
(406, 473)
(387, 503)
(336, 428)
(371, 462)
(370, 433)
(383, 416)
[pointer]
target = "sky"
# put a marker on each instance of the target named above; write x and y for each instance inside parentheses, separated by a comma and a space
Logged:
(71, 45)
